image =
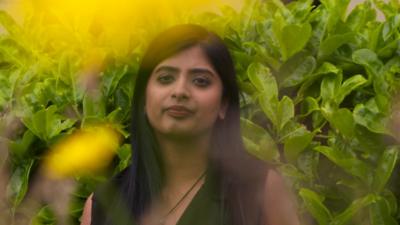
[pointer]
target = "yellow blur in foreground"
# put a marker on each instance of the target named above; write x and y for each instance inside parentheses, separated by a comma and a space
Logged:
(84, 152)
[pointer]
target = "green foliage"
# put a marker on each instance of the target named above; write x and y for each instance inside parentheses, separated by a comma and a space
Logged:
(318, 83)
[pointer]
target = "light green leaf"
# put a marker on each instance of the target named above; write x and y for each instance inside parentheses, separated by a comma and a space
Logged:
(330, 86)
(294, 38)
(285, 111)
(314, 204)
(124, 155)
(348, 86)
(9, 23)
(260, 76)
(385, 168)
(269, 107)
(341, 119)
(295, 73)
(93, 107)
(111, 79)
(47, 124)
(258, 141)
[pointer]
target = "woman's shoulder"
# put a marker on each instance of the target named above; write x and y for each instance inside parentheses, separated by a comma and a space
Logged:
(279, 199)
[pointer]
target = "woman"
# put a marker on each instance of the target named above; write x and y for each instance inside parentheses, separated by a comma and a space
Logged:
(189, 164)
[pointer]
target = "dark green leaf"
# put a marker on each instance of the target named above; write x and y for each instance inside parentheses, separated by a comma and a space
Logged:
(344, 217)
(332, 43)
(370, 117)
(369, 60)
(379, 213)
(346, 161)
(18, 184)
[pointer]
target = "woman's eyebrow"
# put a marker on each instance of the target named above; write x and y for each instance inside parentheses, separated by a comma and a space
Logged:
(201, 71)
(167, 69)
(191, 71)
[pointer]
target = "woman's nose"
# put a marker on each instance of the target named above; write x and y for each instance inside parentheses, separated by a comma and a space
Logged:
(180, 89)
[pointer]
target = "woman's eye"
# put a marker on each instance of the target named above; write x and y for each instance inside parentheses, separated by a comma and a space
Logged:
(165, 79)
(202, 82)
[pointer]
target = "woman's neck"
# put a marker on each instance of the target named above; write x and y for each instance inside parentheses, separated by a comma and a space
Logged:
(184, 159)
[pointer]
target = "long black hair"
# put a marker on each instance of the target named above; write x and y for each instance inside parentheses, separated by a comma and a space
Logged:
(241, 176)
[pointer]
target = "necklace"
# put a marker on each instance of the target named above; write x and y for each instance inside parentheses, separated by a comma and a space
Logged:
(162, 220)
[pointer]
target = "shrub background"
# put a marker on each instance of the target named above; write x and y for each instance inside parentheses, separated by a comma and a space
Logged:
(318, 86)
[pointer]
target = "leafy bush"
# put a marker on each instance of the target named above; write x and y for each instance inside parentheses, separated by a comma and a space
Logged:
(318, 86)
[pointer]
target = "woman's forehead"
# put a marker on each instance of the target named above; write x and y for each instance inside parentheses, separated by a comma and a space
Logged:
(192, 58)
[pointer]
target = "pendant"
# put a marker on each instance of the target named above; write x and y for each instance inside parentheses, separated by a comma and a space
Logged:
(161, 221)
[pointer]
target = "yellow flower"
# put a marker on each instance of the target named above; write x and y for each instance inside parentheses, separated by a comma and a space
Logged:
(84, 152)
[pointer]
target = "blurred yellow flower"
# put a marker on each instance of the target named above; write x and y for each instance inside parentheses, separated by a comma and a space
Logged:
(84, 152)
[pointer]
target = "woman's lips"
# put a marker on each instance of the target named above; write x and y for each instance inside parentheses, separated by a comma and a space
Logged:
(178, 111)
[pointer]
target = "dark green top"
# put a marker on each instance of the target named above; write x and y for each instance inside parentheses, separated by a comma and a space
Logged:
(204, 209)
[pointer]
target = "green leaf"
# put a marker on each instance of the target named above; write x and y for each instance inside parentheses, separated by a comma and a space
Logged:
(346, 161)
(332, 43)
(47, 124)
(294, 38)
(45, 216)
(344, 217)
(296, 142)
(258, 141)
(309, 105)
(285, 111)
(330, 86)
(384, 168)
(260, 76)
(369, 60)
(379, 213)
(93, 107)
(112, 77)
(390, 27)
(295, 73)
(391, 200)
(314, 204)
(20, 147)
(370, 117)
(269, 107)
(124, 155)
(341, 119)
(348, 86)
(361, 15)
(9, 23)
(18, 184)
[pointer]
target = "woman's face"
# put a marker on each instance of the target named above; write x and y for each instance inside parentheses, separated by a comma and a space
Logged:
(184, 95)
